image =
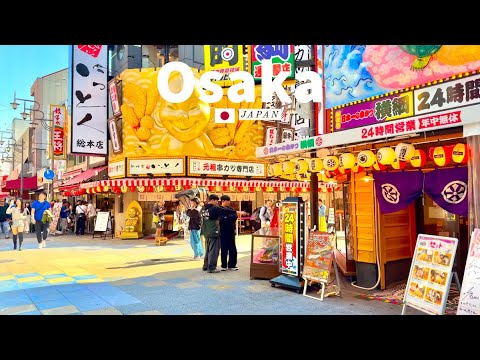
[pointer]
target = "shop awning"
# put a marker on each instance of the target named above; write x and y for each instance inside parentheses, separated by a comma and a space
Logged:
(199, 182)
(84, 176)
(29, 183)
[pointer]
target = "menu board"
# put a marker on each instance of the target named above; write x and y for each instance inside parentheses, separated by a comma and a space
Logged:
(469, 301)
(102, 220)
(431, 273)
(319, 256)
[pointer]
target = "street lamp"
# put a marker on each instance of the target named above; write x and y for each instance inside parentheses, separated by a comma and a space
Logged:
(14, 145)
(44, 121)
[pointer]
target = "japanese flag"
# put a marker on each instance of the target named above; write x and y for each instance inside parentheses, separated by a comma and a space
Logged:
(224, 116)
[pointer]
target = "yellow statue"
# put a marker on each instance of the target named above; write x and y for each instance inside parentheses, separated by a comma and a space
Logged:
(133, 222)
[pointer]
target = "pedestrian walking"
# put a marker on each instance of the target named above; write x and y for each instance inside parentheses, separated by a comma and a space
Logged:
(194, 225)
(28, 223)
(91, 216)
(159, 211)
(18, 221)
(4, 218)
(63, 216)
(211, 230)
(41, 223)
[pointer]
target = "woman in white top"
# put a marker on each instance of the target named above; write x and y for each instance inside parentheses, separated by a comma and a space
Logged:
(18, 221)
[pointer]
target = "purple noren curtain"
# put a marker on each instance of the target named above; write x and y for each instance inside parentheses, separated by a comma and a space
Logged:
(449, 189)
(397, 190)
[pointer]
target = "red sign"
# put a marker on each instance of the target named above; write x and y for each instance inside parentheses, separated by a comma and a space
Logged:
(289, 239)
(112, 88)
(58, 117)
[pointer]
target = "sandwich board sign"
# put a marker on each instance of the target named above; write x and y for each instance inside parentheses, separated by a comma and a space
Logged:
(430, 274)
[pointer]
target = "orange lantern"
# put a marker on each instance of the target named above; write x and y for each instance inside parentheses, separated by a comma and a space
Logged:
(366, 158)
(399, 165)
(460, 154)
(385, 156)
(346, 161)
(442, 155)
(419, 158)
(330, 163)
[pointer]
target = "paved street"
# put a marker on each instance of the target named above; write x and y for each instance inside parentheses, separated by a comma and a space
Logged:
(81, 275)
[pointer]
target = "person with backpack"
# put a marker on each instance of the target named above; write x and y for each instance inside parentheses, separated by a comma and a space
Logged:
(266, 214)
(210, 214)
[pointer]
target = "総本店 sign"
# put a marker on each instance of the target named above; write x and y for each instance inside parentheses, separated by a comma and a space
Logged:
(430, 274)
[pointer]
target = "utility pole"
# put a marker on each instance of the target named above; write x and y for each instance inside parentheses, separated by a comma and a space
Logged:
(21, 173)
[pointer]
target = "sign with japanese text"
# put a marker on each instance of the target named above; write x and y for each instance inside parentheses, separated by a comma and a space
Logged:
(112, 88)
(469, 301)
(282, 56)
(116, 169)
(388, 108)
(271, 136)
(289, 239)
(150, 196)
(115, 136)
(225, 59)
(431, 273)
(156, 167)
(318, 256)
(448, 95)
(287, 135)
(57, 114)
(88, 133)
(421, 123)
(231, 168)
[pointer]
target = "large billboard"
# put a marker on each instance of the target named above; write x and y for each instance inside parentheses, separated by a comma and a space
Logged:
(89, 100)
(358, 72)
(154, 127)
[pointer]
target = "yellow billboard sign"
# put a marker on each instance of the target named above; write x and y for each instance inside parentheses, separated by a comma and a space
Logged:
(224, 59)
(153, 126)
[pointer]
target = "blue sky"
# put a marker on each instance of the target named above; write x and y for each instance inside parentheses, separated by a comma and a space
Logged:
(20, 65)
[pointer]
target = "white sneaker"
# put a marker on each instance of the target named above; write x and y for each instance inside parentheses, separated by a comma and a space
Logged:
(44, 243)
(40, 245)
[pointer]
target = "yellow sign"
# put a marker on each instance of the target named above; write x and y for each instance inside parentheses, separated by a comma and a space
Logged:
(224, 59)
(153, 127)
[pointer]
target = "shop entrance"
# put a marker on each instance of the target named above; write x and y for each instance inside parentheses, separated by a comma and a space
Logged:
(433, 220)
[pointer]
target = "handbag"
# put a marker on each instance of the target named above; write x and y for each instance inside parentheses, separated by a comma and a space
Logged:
(155, 219)
(47, 216)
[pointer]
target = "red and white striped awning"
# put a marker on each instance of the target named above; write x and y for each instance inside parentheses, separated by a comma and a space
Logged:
(198, 182)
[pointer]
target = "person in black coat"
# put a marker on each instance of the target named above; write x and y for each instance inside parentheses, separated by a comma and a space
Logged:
(228, 254)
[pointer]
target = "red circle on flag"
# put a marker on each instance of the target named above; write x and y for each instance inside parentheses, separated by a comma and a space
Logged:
(224, 115)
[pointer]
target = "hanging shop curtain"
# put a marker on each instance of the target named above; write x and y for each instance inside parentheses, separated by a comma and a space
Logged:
(448, 188)
(397, 190)
(474, 181)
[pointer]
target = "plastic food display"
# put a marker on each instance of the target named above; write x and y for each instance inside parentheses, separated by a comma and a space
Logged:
(265, 254)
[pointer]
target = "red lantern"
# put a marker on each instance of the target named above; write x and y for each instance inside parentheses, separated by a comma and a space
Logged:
(252, 188)
(329, 189)
(186, 187)
(149, 188)
(264, 188)
(211, 188)
(276, 189)
(132, 188)
(225, 188)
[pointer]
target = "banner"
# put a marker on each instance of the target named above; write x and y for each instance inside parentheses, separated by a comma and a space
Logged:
(289, 239)
(448, 188)
(89, 100)
(319, 256)
(396, 190)
(57, 114)
(469, 301)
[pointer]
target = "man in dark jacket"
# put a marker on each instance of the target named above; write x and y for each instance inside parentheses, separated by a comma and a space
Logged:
(227, 237)
(211, 230)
